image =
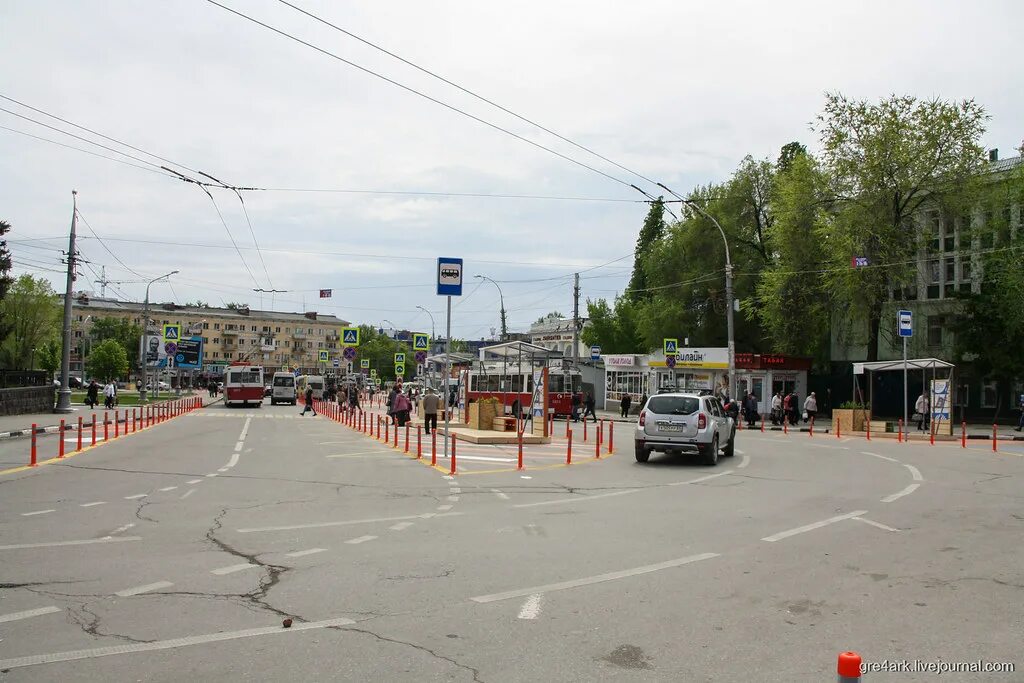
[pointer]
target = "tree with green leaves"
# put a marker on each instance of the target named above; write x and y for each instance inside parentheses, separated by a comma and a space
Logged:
(652, 230)
(121, 330)
(5, 261)
(613, 328)
(48, 355)
(235, 305)
(33, 316)
(553, 315)
(883, 161)
(109, 360)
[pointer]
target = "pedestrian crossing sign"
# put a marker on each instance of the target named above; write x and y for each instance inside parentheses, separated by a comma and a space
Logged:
(364, 363)
(325, 356)
(350, 336)
(671, 346)
(399, 359)
(373, 372)
(172, 333)
(399, 369)
(420, 342)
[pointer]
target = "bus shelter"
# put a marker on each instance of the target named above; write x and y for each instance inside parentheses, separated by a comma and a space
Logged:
(940, 389)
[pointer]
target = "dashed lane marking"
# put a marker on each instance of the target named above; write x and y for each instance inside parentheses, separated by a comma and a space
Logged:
(699, 479)
(905, 492)
(589, 580)
(875, 524)
(193, 481)
(89, 505)
(37, 512)
(167, 488)
(360, 539)
(500, 494)
(139, 590)
(445, 508)
(576, 499)
(454, 499)
(401, 526)
(530, 608)
(33, 660)
(744, 462)
(211, 474)
(15, 616)
(136, 496)
(814, 525)
(187, 494)
(303, 553)
(876, 455)
(349, 522)
(59, 544)
(232, 568)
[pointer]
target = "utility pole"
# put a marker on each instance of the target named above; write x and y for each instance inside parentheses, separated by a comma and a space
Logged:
(64, 393)
(576, 320)
(102, 282)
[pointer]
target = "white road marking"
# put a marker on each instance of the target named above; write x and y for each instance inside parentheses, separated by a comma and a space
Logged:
(232, 568)
(500, 494)
(138, 590)
(360, 539)
(530, 608)
(168, 488)
(448, 476)
(136, 496)
(484, 458)
(600, 578)
(350, 522)
(834, 448)
(234, 460)
(33, 660)
(700, 479)
(58, 544)
(363, 454)
(37, 512)
(223, 469)
(89, 505)
(303, 553)
(193, 481)
(121, 529)
(15, 616)
(212, 474)
(523, 476)
(401, 526)
(187, 494)
(576, 499)
(875, 524)
(737, 451)
(454, 499)
(744, 462)
(811, 527)
(905, 492)
(445, 508)
(456, 489)
(883, 457)
(914, 472)
(239, 445)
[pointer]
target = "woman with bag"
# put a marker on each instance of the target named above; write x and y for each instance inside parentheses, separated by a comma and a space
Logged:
(810, 407)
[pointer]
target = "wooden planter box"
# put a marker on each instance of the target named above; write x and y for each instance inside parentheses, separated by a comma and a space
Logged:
(849, 420)
(481, 415)
(503, 424)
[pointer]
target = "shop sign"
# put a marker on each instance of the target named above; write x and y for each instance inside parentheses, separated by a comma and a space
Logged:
(619, 361)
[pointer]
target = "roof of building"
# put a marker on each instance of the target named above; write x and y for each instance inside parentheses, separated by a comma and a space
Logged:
(1006, 164)
(155, 309)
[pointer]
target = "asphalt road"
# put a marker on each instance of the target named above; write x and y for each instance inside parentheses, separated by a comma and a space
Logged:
(177, 552)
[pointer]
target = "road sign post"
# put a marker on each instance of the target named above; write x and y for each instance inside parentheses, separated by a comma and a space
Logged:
(449, 284)
(905, 328)
(595, 353)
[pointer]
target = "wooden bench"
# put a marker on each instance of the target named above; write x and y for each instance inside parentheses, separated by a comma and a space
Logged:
(504, 424)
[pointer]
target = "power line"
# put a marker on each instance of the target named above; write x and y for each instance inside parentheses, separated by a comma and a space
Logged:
(103, 244)
(425, 193)
(467, 91)
(230, 236)
(424, 95)
(84, 151)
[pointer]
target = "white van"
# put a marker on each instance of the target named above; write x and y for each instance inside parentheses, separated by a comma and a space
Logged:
(283, 388)
(316, 382)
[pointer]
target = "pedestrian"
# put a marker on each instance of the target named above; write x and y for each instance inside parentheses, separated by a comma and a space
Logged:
(108, 395)
(92, 394)
(391, 401)
(921, 412)
(431, 402)
(643, 400)
(353, 397)
(811, 406)
(1020, 423)
(777, 408)
(750, 407)
(627, 399)
(400, 408)
(576, 403)
(309, 401)
(794, 408)
(785, 407)
(589, 404)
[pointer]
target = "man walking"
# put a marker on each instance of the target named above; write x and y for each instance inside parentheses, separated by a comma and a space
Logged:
(811, 406)
(309, 401)
(92, 394)
(108, 395)
(921, 412)
(750, 408)
(589, 403)
(624, 404)
(431, 402)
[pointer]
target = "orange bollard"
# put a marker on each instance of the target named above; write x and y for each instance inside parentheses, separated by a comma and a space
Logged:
(848, 667)
(387, 431)
(93, 429)
(899, 434)
(106, 429)
(117, 427)
(963, 434)
(79, 434)
(567, 428)
(931, 433)
(611, 436)
(419, 441)
(762, 422)
(433, 448)
(597, 443)
(406, 437)
(785, 424)
(810, 432)
(584, 430)
(32, 452)
(453, 455)
(396, 435)
(995, 427)
(60, 441)
(839, 429)
(568, 449)
(520, 465)
(867, 426)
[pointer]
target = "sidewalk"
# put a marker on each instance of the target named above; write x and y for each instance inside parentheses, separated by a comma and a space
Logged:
(14, 426)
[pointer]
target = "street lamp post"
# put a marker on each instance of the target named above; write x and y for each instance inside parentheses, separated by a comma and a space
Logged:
(728, 289)
(501, 298)
(142, 342)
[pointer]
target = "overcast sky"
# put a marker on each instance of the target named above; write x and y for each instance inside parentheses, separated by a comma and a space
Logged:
(677, 91)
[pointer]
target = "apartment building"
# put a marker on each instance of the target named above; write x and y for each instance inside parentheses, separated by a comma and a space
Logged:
(273, 339)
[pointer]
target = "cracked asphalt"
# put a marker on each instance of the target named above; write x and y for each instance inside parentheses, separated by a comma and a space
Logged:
(178, 551)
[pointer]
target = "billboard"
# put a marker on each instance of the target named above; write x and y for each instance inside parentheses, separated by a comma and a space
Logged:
(189, 354)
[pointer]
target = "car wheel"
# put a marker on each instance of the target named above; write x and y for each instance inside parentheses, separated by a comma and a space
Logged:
(730, 448)
(711, 454)
(642, 454)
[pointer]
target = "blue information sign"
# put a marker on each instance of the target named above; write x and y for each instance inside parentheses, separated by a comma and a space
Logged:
(449, 276)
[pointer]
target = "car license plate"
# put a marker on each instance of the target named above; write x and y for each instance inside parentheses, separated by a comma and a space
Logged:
(671, 428)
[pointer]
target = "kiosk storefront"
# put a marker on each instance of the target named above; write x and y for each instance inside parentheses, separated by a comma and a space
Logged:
(766, 374)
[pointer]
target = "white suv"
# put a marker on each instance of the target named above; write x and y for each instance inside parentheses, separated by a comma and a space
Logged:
(678, 422)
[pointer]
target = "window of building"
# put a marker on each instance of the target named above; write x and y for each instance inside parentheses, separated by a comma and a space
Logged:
(933, 271)
(287, 343)
(965, 269)
(309, 331)
(989, 394)
(205, 340)
(216, 340)
(950, 269)
(266, 328)
(216, 326)
(309, 345)
(287, 330)
(206, 325)
(935, 324)
(277, 329)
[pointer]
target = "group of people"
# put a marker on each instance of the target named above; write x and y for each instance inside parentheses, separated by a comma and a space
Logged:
(786, 408)
(92, 394)
(587, 403)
